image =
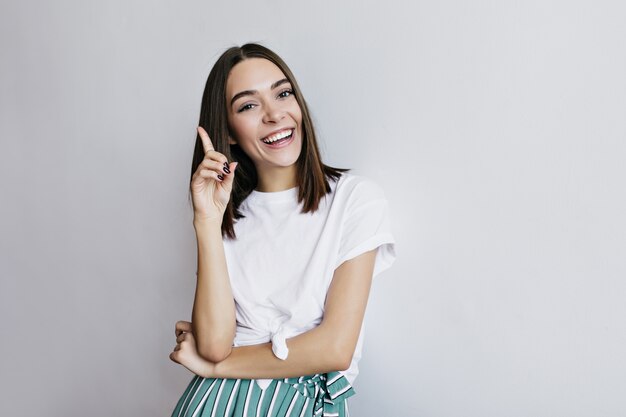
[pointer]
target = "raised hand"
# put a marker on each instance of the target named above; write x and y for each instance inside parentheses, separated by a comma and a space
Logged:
(212, 182)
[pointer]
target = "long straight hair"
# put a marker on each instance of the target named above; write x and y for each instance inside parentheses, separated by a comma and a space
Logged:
(312, 175)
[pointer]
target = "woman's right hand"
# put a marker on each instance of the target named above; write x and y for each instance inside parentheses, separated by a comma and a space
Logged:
(212, 182)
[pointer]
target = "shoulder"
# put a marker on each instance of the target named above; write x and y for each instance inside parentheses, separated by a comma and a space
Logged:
(357, 190)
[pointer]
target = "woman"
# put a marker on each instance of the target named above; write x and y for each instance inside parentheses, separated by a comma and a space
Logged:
(287, 249)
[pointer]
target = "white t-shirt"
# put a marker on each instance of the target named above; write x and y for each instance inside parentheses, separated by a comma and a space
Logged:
(282, 261)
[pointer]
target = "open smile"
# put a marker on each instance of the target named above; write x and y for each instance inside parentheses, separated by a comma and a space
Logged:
(279, 139)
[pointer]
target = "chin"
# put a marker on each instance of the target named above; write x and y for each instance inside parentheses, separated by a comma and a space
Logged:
(286, 160)
(284, 163)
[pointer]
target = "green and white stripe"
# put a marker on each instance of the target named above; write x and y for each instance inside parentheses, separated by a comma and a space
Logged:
(319, 395)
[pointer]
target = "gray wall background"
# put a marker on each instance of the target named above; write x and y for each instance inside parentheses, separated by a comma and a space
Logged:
(497, 130)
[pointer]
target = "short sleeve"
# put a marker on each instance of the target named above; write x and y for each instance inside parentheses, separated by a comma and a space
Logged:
(366, 226)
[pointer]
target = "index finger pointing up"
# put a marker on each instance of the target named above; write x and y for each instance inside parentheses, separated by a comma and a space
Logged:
(206, 141)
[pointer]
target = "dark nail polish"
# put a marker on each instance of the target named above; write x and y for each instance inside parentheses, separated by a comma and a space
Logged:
(226, 170)
(220, 177)
(225, 164)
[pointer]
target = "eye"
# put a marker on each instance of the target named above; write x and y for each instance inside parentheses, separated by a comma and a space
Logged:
(285, 93)
(245, 107)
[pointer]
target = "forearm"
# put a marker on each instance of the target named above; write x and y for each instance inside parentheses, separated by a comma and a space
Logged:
(213, 315)
(309, 353)
(328, 347)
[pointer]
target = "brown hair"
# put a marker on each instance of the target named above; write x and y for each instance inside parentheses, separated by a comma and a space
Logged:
(312, 175)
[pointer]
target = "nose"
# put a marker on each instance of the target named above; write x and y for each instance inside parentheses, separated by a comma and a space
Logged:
(273, 113)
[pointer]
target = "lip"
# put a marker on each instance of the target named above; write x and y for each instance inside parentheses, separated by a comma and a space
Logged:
(280, 144)
(277, 131)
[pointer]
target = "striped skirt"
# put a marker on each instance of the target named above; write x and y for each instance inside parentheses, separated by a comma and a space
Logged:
(315, 395)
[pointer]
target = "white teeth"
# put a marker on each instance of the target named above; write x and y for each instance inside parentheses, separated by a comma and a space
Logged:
(277, 136)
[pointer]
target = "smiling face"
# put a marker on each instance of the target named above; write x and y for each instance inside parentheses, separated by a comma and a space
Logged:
(264, 117)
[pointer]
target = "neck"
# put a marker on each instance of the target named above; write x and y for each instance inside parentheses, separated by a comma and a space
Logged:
(276, 179)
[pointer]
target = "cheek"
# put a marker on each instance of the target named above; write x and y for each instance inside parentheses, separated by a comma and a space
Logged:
(296, 113)
(243, 129)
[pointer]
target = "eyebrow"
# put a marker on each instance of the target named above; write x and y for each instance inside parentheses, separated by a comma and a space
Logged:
(252, 92)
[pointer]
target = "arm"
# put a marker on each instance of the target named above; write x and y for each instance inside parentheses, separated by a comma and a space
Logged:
(213, 316)
(325, 348)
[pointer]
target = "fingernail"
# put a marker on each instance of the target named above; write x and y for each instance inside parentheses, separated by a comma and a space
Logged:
(220, 177)
(226, 170)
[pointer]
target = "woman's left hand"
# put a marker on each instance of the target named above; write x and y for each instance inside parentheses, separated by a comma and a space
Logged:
(186, 353)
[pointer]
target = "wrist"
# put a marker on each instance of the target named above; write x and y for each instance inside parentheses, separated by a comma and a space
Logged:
(218, 369)
(208, 370)
(207, 222)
